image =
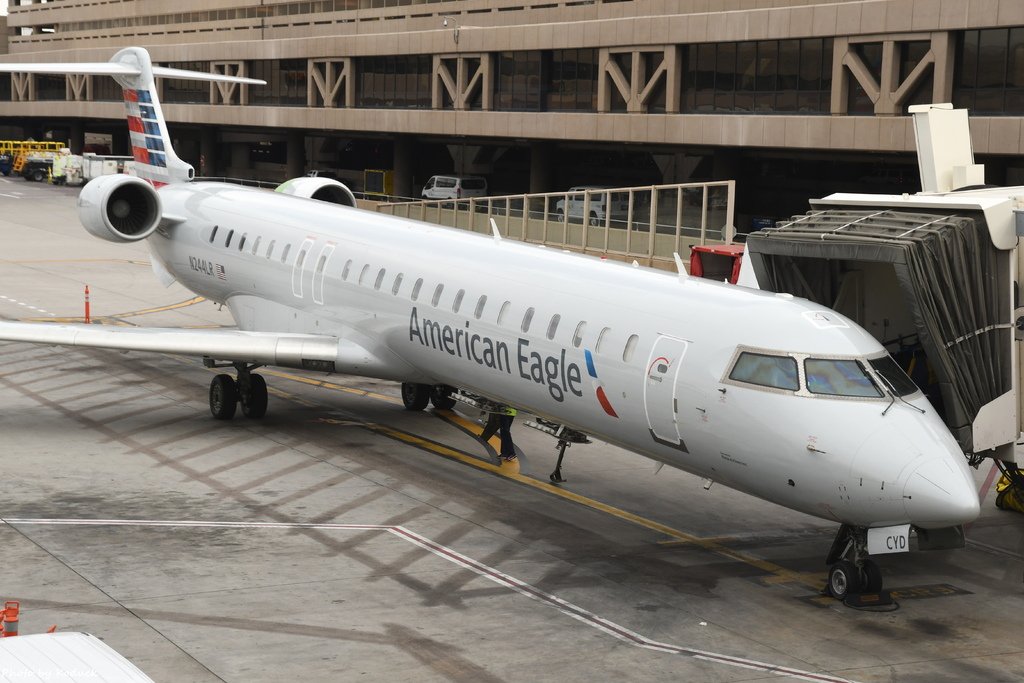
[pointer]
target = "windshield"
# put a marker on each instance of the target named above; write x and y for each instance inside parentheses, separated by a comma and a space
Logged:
(778, 372)
(893, 375)
(839, 378)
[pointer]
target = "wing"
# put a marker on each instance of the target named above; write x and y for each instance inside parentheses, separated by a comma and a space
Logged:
(306, 351)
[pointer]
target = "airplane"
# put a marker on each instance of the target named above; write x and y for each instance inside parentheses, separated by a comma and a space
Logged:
(766, 393)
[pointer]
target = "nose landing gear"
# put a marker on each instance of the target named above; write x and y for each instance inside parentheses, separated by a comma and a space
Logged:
(851, 574)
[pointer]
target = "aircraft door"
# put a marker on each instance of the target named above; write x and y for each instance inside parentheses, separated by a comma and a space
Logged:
(321, 273)
(660, 400)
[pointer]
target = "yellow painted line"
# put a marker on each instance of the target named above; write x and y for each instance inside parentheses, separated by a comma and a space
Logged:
(159, 309)
(110, 319)
(332, 385)
(468, 426)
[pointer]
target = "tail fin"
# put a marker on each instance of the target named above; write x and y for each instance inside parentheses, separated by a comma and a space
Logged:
(155, 160)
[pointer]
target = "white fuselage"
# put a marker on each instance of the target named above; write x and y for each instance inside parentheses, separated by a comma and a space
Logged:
(660, 349)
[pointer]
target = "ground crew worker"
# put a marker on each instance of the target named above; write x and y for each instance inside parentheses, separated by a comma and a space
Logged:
(59, 161)
(501, 422)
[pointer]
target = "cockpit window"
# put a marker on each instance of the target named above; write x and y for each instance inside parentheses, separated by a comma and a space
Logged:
(778, 372)
(893, 375)
(839, 378)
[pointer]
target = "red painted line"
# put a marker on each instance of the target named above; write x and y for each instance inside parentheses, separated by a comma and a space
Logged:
(987, 486)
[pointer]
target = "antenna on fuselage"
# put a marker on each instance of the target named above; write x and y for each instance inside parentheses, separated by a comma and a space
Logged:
(494, 229)
(680, 267)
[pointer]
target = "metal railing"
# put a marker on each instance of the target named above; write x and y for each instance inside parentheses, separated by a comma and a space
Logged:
(647, 223)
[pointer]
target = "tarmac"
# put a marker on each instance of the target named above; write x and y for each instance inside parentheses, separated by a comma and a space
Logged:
(344, 538)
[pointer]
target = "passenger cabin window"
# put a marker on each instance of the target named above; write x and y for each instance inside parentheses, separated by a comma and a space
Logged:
(839, 378)
(380, 279)
(284, 254)
(894, 377)
(553, 325)
(256, 245)
(397, 285)
(480, 307)
(270, 249)
(778, 372)
(527, 319)
(600, 338)
(241, 242)
(577, 337)
(416, 289)
(320, 264)
(363, 272)
(503, 313)
(627, 353)
(227, 242)
(457, 304)
(213, 234)
(346, 269)
(437, 295)
(301, 259)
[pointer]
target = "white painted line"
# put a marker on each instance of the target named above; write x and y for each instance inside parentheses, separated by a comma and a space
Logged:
(12, 196)
(565, 607)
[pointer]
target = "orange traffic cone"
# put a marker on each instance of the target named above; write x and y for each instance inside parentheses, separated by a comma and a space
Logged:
(9, 624)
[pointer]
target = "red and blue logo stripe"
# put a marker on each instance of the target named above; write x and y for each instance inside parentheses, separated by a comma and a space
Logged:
(602, 397)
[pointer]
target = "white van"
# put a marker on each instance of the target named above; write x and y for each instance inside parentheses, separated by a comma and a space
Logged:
(454, 187)
(617, 211)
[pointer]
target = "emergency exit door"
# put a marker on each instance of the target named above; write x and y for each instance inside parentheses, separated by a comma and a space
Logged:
(660, 394)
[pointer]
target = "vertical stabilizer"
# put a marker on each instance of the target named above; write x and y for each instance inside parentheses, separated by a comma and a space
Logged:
(155, 160)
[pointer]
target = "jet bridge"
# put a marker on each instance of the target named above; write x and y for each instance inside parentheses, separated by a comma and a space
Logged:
(933, 276)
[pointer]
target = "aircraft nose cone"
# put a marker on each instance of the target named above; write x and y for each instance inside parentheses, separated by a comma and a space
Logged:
(940, 494)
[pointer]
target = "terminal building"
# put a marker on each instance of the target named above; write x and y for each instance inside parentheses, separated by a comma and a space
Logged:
(791, 98)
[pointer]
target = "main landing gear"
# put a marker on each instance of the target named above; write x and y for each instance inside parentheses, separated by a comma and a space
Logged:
(850, 571)
(417, 396)
(249, 390)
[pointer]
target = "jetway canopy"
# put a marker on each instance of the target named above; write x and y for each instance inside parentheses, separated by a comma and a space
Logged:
(954, 282)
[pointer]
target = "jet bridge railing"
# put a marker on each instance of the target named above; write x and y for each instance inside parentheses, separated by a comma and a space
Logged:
(647, 223)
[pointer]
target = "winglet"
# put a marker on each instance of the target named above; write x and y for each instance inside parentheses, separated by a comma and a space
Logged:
(494, 229)
(680, 267)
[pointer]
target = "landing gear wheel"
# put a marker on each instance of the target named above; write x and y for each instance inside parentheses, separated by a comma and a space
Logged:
(415, 396)
(440, 396)
(872, 577)
(843, 579)
(223, 397)
(254, 401)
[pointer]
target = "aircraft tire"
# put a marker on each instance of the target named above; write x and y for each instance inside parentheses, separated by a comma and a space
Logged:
(872, 577)
(223, 397)
(440, 396)
(254, 402)
(843, 579)
(415, 396)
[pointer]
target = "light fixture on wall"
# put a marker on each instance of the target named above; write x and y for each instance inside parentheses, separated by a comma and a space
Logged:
(455, 27)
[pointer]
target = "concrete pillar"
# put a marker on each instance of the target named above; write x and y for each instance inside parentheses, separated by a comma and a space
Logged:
(207, 151)
(402, 167)
(76, 136)
(541, 168)
(120, 144)
(239, 160)
(296, 164)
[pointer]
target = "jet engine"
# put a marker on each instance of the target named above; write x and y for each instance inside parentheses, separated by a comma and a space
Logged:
(119, 208)
(322, 189)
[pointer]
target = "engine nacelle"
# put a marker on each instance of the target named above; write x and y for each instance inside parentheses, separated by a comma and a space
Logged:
(322, 189)
(119, 208)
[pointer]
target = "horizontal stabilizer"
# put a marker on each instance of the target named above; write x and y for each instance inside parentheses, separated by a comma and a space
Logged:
(118, 69)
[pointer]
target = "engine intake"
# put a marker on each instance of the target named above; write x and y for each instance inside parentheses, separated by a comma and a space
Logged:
(119, 208)
(321, 189)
